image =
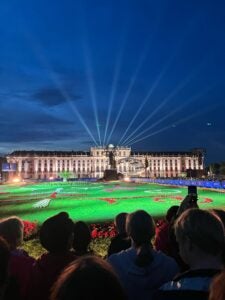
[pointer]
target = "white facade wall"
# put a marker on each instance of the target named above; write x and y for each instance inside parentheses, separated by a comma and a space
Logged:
(94, 164)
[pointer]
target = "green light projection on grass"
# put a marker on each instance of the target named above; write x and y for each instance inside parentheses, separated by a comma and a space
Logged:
(95, 202)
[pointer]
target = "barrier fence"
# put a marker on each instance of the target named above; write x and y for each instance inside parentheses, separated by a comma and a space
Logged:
(213, 184)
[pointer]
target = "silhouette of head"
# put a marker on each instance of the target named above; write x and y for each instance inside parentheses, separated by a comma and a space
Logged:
(171, 213)
(56, 233)
(141, 229)
(199, 233)
(82, 237)
(11, 229)
(120, 223)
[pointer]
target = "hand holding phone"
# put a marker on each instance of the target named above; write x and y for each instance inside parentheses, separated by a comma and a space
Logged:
(192, 193)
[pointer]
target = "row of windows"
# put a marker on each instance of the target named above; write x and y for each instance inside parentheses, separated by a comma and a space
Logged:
(120, 153)
(87, 162)
(64, 162)
(88, 169)
(166, 161)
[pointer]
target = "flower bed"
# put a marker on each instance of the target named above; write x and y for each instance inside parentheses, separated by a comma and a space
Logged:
(30, 229)
(104, 230)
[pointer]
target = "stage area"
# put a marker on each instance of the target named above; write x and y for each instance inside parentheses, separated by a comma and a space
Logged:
(95, 202)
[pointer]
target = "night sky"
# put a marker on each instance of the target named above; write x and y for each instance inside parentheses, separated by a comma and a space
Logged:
(75, 73)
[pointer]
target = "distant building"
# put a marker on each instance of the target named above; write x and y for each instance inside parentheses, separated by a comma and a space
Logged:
(46, 164)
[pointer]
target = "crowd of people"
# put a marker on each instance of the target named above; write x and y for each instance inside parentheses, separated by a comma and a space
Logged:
(180, 257)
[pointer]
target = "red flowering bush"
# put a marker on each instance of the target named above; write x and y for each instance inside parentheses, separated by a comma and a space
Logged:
(30, 229)
(102, 230)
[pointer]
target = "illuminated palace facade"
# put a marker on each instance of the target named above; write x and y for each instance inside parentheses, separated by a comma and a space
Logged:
(49, 164)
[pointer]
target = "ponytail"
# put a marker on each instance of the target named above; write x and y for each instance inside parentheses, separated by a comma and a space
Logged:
(144, 255)
(140, 228)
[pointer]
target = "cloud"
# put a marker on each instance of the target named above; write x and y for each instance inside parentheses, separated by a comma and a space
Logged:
(50, 96)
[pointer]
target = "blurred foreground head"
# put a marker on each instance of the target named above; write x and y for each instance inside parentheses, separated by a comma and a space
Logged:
(200, 235)
(88, 277)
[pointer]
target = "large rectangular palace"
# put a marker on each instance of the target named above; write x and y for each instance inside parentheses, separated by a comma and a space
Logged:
(49, 164)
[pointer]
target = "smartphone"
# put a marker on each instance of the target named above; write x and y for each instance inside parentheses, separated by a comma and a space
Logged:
(192, 191)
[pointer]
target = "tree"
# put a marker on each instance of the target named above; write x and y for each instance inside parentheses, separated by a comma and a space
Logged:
(65, 175)
(214, 169)
(222, 168)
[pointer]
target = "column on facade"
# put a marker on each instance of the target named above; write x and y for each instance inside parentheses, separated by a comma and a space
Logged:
(100, 165)
(186, 163)
(161, 167)
(20, 165)
(35, 165)
(42, 165)
(94, 167)
(197, 164)
(70, 165)
(178, 165)
(192, 163)
(55, 165)
(173, 167)
(48, 165)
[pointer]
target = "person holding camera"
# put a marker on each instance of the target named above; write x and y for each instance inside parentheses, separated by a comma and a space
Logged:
(201, 240)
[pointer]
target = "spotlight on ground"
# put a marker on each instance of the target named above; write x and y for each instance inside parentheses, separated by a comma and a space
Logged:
(16, 180)
(126, 179)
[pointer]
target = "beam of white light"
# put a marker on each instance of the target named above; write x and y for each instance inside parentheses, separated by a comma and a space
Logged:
(39, 52)
(113, 91)
(151, 90)
(203, 111)
(172, 112)
(127, 94)
(91, 86)
(73, 107)
(155, 84)
(163, 103)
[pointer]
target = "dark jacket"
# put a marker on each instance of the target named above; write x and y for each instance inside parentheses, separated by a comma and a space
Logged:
(190, 285)
(20, 266)
(45, 273)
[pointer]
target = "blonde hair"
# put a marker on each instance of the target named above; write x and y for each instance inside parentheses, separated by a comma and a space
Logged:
(217, 289)
(204, 229)
(11, 229)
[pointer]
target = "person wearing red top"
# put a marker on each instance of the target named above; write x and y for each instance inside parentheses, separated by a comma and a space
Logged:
(162, 239)
(20, 263)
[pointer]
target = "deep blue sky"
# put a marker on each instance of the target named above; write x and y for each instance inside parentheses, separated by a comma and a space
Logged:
(62, 62)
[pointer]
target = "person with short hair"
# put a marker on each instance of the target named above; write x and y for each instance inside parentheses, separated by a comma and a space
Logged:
(81, 239)
(88, 277)
(200, 235)
(141, 269)
(120, 241)
(20, 263)
(56, 236)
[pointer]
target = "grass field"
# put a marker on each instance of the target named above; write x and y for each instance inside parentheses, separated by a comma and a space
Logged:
(95, 202)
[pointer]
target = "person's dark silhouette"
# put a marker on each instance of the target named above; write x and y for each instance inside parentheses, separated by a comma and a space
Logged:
(120, 241)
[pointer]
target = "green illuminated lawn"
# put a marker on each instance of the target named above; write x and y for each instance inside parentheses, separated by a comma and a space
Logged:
(95, 201)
